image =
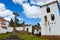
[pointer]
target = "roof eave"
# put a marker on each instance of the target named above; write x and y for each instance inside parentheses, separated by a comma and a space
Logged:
(49, 4)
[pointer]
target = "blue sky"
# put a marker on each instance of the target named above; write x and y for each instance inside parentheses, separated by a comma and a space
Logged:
(18, 8)
(28, 10)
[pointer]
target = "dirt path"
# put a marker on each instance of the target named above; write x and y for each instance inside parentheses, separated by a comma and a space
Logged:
(52, 37)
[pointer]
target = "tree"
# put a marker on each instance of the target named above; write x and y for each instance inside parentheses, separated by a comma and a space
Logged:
(23, 22)
(11, 23)
(38, 24)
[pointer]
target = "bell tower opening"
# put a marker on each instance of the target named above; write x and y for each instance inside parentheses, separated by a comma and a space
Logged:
(52, 17)
(48, 9)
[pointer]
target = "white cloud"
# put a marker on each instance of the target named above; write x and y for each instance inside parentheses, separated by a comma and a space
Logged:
(19, 1)
(59, 1)
(42, 2)
(5, 13)
(39, 22)
(2, 7)
(19, 18)
(7, 19)
(53, 0)
(31, 11)
(37, 2)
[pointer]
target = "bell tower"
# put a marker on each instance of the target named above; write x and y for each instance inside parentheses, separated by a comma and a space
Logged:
(50, 17)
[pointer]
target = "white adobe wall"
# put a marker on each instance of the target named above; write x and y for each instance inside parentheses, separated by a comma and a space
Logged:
(55, 28)
(2, 30)
(29, 29)
(19, 28)
(37, 32)
(9, 29)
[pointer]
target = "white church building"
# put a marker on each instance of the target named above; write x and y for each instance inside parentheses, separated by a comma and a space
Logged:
(50, 24)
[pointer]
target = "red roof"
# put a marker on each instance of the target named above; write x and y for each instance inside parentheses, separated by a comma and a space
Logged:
(4, 27)
(36, 27)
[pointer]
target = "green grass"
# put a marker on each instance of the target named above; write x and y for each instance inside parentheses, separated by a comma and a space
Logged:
(24, 36)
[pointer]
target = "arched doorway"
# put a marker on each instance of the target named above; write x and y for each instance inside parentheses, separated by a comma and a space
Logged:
(27, 29)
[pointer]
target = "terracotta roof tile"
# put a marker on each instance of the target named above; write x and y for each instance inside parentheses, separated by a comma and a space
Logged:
(4, 27)
(36, 27)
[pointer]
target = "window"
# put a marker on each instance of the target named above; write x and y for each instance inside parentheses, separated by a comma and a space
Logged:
(52, 17)
(48, 9)
(27, 29)
(45, 17)
(37, 29)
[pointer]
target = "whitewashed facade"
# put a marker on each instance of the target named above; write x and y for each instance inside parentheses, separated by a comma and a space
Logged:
(26, 28)
(50, 24)
(37, 31)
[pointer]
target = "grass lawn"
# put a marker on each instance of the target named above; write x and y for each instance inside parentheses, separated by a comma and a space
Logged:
(24, 36)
